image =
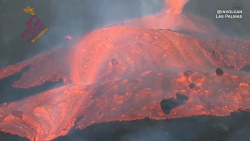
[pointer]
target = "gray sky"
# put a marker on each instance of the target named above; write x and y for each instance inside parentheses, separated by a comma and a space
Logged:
(77, 17)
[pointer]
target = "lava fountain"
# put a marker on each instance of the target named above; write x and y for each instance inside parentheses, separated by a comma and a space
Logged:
(123, 73)
(173, 6)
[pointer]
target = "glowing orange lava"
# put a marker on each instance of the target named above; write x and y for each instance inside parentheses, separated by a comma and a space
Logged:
(122, 73)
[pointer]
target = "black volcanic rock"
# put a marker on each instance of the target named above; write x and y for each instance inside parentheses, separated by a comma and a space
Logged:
(114, 62)
(181, 97)
(188, 73)
(192, 86)
(219, 72)
(168, 104)
(18, 114)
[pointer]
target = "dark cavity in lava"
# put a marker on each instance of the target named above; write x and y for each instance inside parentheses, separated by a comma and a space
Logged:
(213, 53)
(246, 68)
(114, 62)
(192, 85)
(168, 104)
(188, 73)
(18, 114)
(181, 97)
(219, 72)
(217, 41)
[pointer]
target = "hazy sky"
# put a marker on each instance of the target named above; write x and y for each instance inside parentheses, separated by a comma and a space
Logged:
(77, 17)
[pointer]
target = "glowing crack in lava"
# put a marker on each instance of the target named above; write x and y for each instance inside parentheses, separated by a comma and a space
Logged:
(122, 73)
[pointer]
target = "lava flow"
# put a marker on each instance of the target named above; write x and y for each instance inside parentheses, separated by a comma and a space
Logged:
(123, 73)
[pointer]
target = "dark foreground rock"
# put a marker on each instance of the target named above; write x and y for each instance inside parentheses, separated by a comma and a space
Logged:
(197, 128)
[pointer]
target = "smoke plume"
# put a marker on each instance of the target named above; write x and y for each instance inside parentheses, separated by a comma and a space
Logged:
(174, 6)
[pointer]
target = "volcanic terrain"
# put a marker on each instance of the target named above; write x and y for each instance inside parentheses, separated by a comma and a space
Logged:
(123, 73)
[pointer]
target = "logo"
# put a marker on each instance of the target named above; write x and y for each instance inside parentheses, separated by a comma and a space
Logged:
(35, 26)
(229, 14)
(29, 10)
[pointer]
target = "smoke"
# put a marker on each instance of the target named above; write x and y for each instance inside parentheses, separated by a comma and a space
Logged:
(77, 17)
(174, 6)
(242, 134)
(169, 130)
(148, 134)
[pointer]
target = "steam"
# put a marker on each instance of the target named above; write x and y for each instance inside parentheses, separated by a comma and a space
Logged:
(174, 6)
(148, 134)
(128, 10)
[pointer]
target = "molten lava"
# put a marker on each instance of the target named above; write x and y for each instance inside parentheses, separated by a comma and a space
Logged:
(126, 73)
(123, 73)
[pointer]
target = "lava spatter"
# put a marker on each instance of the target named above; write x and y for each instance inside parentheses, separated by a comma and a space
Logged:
(150, 68)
